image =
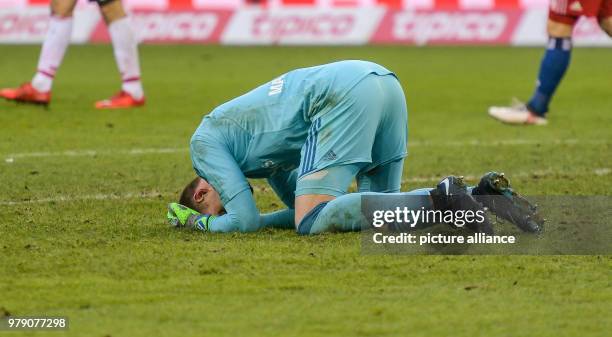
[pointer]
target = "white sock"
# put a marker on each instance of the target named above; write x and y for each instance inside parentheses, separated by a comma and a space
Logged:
(52, 52)
(125, 47)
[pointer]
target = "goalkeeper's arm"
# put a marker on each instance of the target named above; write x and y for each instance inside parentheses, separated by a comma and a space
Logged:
(237, 218)
(241, 215)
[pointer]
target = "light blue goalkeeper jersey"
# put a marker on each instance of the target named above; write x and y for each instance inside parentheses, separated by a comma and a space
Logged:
(263, 131)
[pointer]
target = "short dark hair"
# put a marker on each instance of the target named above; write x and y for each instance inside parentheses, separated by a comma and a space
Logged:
(186, 198)
(187, 194)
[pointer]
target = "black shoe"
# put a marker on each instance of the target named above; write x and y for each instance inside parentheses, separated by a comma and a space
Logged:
(494, 192)
(451, 194)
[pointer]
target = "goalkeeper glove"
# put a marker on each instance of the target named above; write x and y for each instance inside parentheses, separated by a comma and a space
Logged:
(182, 216)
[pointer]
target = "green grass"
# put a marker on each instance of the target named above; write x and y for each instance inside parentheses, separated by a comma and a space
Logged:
(116, 269)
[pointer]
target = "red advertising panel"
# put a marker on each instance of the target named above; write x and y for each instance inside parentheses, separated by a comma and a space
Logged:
(447, 27)
(173, 26)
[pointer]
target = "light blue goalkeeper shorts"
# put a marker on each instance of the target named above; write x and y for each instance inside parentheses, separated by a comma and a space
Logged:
(367, 130)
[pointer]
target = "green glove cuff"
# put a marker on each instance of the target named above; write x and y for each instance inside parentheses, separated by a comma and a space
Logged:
(200, 221)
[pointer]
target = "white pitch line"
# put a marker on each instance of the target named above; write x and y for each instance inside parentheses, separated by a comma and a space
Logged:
(541, 173)
(10, 158)
(91, 153)
(509, 142)
(151, 195)
(145, 195)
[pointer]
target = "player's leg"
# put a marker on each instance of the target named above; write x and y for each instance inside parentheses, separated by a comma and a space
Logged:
(332, 210)
(604, 16)
(342, 136)
(55, 45)
(51, 55)
(606, 25)
(390, 144)
(125, 48)
(323, 186)
(553, 66)
(374, 131)
(386, 178)
(493, 191)
(344, 213)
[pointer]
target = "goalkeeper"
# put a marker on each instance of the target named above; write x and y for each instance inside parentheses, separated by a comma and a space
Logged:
(310, 133)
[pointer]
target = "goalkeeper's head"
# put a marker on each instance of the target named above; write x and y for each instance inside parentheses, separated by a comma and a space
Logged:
(199, 195)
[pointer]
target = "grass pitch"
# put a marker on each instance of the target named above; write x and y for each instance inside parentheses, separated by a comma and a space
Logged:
(83, 194)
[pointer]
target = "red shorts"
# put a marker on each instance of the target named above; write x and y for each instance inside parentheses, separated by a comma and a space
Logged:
(568, 11)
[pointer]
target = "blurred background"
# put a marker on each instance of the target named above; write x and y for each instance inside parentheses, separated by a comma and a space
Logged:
(306, 22)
